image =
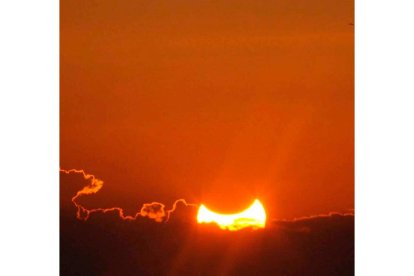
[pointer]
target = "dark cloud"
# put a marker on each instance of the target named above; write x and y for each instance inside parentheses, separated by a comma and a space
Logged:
(104, 244)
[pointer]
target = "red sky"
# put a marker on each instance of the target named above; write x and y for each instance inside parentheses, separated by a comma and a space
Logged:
(216, 102)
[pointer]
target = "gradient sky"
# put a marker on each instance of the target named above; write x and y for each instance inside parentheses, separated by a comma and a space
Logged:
(216, 102)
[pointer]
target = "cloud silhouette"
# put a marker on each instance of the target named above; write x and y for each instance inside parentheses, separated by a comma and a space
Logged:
(154, 210)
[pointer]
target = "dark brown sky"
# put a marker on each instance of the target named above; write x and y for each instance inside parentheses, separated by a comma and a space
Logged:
(213, 101)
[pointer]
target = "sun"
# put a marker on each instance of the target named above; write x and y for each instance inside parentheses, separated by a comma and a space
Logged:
(253, 217)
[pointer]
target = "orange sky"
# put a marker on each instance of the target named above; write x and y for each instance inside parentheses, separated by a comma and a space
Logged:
(212, 101)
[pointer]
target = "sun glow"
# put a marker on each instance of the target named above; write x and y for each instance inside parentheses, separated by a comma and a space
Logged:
(253, 217)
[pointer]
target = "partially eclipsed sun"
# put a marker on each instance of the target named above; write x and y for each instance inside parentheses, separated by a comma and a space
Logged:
(253, 217)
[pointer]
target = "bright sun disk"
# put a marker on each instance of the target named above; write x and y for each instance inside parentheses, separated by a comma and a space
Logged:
(253, 217)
